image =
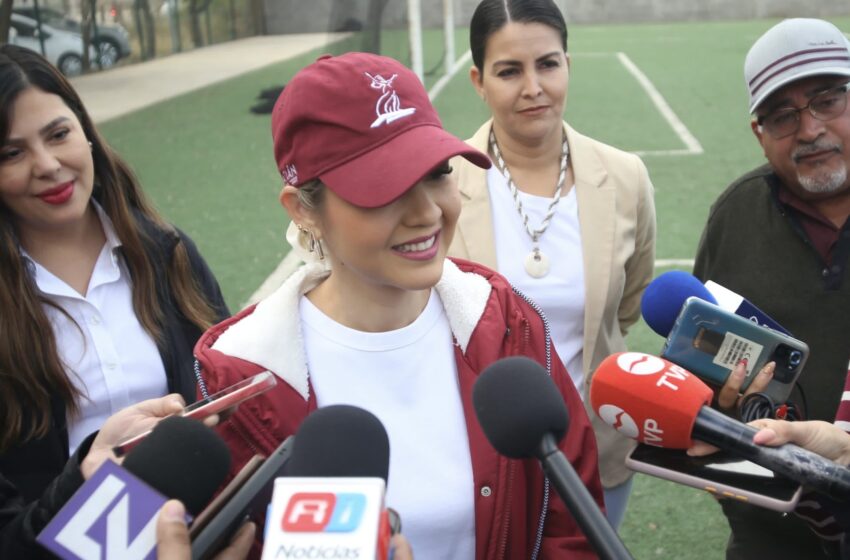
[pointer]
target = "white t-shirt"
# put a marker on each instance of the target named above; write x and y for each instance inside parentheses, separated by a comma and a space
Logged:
(408, 379)
(561, 292)
(110, 358)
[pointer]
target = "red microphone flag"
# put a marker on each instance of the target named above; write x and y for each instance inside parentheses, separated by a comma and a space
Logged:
(648, 398)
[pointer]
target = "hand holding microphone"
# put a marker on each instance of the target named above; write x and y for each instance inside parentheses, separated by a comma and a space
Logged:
(723, 338)
(730, 397)
(823, 438)
(113, 514)
(172, 536)
(659, 403)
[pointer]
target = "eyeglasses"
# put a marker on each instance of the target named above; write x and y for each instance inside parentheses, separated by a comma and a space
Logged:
(824, 106)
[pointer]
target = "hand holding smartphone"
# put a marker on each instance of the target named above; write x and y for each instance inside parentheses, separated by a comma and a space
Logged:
(710, 341)
(720, 474)
(218, 403)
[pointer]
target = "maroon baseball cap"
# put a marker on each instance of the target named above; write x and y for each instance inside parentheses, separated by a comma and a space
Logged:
(363, 125)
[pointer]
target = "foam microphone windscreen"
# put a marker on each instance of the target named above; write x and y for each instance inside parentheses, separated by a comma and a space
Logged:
(183, 459)
(648, 398)
(664, 297)
(340, 441)
(517, 403)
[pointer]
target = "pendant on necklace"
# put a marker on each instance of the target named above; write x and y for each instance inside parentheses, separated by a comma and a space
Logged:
(537, 264)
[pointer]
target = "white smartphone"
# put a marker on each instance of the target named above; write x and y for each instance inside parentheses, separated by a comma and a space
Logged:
(720, 474)
(217, 403)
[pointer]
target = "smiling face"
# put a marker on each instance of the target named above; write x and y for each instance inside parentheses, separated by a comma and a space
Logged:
(46, 166)
(390, 249)
(813, 161)
(524, 81)
(399, 246)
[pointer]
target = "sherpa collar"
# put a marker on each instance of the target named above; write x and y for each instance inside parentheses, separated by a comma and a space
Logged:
(271, 336)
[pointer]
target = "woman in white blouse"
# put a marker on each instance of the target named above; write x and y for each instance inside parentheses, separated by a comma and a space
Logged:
(568, 220)
(101, 301)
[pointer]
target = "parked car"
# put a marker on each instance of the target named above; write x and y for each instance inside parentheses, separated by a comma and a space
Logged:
(62, 48)
(111, 39)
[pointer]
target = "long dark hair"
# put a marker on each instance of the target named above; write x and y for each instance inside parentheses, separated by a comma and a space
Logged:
(31, 372)
(491, 15)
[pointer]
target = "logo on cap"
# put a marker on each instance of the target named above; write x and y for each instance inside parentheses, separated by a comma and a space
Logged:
(290, 174)
(388, 108)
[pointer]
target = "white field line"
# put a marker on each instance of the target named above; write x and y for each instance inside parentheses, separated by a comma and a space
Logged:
(460, 63)
(692, 144)
(286, 267)
(291, 261)
(665, 263)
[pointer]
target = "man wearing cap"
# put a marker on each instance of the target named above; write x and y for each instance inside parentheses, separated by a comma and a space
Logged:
(779, 236)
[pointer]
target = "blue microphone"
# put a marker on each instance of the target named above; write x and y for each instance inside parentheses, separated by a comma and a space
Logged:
(664, 297)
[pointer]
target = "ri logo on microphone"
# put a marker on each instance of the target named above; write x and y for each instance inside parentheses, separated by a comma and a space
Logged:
(324, 512)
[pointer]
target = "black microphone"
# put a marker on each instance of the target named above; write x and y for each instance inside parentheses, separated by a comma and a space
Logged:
(523, 415)
(334, 441)
(330, 481)
(789, 460)
(113, 514)
(340, 441)
(182, 459)
(343, 441)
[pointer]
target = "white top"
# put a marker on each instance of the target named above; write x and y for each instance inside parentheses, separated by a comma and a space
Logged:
(108, 355)
(408, 379)
(561, 292)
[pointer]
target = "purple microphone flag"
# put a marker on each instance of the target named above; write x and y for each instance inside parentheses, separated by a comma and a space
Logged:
(113, 515)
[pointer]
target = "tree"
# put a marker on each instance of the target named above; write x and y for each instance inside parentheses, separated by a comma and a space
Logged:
(196, 8)
(376, 11)
(5, 19)
(143, 17)
(88, 11)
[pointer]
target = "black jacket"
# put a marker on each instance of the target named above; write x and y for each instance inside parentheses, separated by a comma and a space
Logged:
(38, 477)
(755, 246)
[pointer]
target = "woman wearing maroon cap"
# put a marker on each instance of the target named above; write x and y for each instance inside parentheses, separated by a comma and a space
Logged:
(381, 319)
(567, 220)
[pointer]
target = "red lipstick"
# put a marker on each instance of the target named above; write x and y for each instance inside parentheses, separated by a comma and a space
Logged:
(58, 195)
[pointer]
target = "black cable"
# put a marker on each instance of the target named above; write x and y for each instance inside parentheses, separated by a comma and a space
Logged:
(756, 406)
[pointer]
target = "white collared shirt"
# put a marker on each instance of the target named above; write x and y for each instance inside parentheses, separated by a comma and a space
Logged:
(107, 354)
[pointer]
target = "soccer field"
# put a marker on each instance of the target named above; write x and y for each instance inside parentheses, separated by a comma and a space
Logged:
(672, 92)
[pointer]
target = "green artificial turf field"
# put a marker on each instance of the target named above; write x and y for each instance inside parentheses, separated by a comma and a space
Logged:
(207, 163)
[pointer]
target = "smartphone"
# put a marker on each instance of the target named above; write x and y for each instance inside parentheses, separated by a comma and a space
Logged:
(720, 474)
(248, 500)
(709, 341)
(214, 507)
(216, 403)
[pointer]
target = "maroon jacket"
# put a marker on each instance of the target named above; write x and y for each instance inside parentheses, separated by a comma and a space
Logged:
(517, 515)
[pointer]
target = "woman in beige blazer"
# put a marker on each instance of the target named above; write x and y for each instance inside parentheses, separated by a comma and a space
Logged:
(594, 202)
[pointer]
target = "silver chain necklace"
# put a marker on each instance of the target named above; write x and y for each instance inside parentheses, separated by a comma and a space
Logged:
(536, 263)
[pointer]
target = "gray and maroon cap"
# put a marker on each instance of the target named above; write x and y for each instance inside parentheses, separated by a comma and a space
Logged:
(792, 50)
